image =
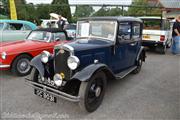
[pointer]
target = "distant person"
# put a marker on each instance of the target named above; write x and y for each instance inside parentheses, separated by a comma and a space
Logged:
(176, 36)
(61, 23)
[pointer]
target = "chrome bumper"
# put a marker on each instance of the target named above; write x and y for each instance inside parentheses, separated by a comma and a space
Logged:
(4, 66)
(53, 91)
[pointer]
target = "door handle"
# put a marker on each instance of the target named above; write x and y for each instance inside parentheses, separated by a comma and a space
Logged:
(133, 44)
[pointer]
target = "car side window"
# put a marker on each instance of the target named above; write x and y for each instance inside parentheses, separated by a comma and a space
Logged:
(14, 26)
(136, 30)
(1, 26)
(27, 27)
(125, 30)
(59, 36)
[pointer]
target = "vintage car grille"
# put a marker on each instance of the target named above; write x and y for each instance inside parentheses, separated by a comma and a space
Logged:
(61, 64)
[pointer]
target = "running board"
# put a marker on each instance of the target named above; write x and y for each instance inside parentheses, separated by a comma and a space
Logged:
(126, 72)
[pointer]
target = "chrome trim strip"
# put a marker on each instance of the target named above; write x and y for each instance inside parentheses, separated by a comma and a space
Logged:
(54, 91)
(69, 47)
(4, 66)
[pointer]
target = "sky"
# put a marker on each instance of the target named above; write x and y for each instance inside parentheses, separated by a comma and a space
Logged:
(115, 2)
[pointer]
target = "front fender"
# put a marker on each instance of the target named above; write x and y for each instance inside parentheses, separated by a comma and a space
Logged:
(86, 73)
(36, 62)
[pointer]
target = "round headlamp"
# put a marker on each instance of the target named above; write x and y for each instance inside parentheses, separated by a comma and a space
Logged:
(3, 55)
(73, 62)
(45, 56)
(58, 80)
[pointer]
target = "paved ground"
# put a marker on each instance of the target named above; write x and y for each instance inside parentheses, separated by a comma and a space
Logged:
(154, 93)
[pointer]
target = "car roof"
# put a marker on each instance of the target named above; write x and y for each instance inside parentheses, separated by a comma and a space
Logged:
(114, 18)
(20, 21)
(53, 30)
(150, 17)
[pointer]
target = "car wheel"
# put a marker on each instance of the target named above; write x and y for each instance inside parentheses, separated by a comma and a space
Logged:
(92, 92)
(139, 65)
(21, 66)
(161, 49)
(35, 76)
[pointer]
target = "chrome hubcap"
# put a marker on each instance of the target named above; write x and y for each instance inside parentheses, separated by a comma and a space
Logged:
(98, 91)
(23, 66)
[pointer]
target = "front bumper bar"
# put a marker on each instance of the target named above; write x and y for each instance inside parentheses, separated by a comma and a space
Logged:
(4, 66)
(53, 91)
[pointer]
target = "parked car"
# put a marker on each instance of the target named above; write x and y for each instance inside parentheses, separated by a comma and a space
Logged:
(157, 33)
(11, 30)
(16, 55)
(71, 30)
(106, 48)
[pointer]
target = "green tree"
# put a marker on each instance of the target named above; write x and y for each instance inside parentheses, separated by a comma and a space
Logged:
(43, 11)
(141, 7)
(115, 12)
(4, 9)
(61, 7)
(109, 12)
(101, 12)
(83, 11)
(25, 11)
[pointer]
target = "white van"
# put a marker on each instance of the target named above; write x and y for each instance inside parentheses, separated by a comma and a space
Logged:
(156, 33)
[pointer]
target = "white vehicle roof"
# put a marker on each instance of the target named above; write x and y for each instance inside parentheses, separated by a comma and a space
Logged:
(150, 17)
(48, 20)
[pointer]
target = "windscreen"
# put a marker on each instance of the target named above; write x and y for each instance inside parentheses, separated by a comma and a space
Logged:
(99, 29)
(39, 35)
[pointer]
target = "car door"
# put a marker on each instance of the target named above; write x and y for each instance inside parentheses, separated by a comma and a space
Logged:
(119, 58)
(13, 31)
(134, 43)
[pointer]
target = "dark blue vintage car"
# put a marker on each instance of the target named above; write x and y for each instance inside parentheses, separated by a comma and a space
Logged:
(106, 48)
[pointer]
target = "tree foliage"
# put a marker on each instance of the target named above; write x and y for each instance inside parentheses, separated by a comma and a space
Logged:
(4, 9)
(141, 8)
(104, 11)
(61, 7)
(83, 11)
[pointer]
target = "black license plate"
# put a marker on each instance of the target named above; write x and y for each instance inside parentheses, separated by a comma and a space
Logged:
(45, 95)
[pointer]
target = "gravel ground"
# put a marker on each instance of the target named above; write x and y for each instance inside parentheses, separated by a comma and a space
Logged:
(154, 93)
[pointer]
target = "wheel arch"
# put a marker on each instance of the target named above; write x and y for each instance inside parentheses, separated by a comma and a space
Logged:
(25, 53)
(86, 73)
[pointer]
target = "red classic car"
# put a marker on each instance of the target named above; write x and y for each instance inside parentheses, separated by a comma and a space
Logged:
(16, 55)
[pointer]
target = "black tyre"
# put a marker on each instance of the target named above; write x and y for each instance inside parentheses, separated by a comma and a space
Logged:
(21, 66)
(35, 76)
(92, 92)
(161, 49)
(139, 65)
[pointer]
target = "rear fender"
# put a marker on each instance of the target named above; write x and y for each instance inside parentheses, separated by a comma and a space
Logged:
(141, 53)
